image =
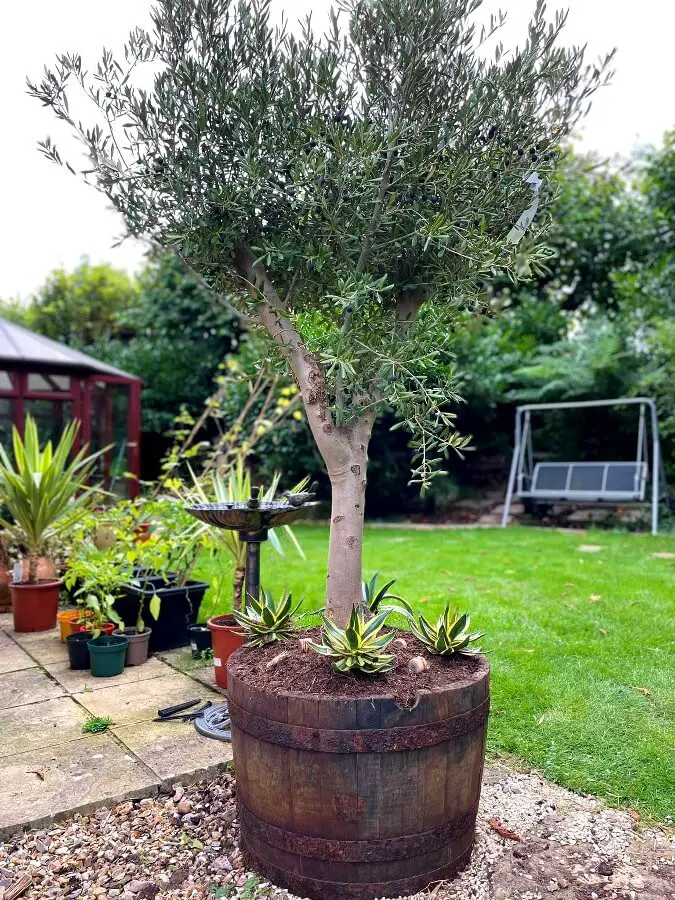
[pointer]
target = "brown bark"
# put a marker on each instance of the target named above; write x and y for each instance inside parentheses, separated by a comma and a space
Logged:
(345, 550)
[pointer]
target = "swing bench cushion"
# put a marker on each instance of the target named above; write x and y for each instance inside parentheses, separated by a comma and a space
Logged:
(587, 482)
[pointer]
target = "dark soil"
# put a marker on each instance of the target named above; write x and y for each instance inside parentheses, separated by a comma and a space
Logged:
(309, 674)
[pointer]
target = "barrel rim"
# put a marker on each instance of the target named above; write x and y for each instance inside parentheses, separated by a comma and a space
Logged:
(481, 673)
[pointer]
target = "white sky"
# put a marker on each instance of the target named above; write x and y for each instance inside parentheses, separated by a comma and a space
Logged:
(49, 219)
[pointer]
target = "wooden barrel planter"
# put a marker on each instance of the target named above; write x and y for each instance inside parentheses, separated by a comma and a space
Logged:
(357, 798)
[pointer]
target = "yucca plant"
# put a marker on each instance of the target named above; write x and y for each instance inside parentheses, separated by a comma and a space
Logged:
(359, 647)
(267, 620)
(450, 634)
(373, 599)
(44, 490)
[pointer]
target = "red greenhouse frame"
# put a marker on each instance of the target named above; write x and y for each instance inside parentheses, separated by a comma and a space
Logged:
(54, 383)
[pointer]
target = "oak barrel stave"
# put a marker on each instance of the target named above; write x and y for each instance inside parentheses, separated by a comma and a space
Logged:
(357, 822)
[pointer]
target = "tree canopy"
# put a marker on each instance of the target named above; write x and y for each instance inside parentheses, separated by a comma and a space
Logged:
(348, 192)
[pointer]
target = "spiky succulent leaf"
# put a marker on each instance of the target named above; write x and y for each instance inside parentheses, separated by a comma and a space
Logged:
(267, 619)
(448, 635)
(374, 599)
(358, 647)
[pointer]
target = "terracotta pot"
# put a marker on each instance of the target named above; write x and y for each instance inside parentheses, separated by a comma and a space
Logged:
(5, 596)
(45, 569)
(66, 619)
(226, 639)
(142, 533)
(35, 605)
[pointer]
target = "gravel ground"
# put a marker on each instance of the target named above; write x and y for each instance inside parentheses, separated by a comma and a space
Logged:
(184, 845)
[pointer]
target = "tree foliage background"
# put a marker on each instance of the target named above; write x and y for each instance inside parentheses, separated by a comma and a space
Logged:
(598, 322)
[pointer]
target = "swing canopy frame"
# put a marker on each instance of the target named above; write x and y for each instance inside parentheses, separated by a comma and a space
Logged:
(596, 483)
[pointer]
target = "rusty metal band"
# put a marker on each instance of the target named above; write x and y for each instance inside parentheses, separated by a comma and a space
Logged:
(371, 850)
(368, 740)
(318, 889)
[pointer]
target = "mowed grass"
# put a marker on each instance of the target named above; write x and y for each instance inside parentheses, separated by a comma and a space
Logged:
(581, 644)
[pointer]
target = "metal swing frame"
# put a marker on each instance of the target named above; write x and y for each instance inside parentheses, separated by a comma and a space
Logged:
(526, 476)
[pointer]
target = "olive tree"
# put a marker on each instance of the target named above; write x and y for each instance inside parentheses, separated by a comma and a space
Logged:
(347, 192)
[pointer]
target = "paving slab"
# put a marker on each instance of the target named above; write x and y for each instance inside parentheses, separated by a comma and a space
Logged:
(28, 638)
(83, 775)
(38, 725)
(6, 621)
(27, 686)
(139, 701)
(44, 647)
(81, 681)
(175, 750)
(12, 657)
(202, 671)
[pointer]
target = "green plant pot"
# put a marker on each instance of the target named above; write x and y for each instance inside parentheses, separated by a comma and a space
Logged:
(107, 653)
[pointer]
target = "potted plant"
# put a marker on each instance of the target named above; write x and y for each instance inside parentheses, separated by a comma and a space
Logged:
(44, 491)
(107, 653)
(350, 195)
(160, 590)
(99, 640)
(96, 577)
(201, 641)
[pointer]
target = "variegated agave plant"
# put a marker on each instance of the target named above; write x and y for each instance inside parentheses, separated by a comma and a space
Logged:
(375, 600)
(450, 634)
(267, 620)
(359, 647)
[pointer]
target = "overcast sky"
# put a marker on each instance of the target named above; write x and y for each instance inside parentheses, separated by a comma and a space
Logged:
(49, 219)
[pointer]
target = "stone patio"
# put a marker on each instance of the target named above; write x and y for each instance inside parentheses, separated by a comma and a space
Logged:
(50, 769)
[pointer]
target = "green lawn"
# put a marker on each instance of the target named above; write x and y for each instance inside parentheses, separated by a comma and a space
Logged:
(581, 644)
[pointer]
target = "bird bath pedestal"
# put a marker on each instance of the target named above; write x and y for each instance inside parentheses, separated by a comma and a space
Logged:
(252, 519)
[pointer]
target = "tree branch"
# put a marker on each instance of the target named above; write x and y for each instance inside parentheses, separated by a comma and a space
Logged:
(274, 316)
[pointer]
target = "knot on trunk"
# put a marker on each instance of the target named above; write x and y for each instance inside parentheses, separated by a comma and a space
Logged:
(356, 470)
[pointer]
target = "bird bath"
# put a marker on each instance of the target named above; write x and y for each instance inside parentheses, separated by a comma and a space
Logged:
(253, 519)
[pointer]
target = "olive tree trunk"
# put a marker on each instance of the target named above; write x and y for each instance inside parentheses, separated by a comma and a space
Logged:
(345, 549)
(344, 449)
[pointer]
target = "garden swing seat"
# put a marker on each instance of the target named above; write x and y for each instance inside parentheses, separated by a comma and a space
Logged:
(586, 482)
(621, 483)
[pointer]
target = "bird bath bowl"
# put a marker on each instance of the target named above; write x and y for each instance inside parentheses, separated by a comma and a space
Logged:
(246, 518)
(252, 519)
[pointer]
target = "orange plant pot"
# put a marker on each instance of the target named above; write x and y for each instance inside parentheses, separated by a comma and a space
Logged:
(66, 619)
(226, 639)
(35, 605)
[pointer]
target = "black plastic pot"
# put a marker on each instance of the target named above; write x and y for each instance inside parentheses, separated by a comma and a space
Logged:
(200, 639)
(78, 651)
(179, 608)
